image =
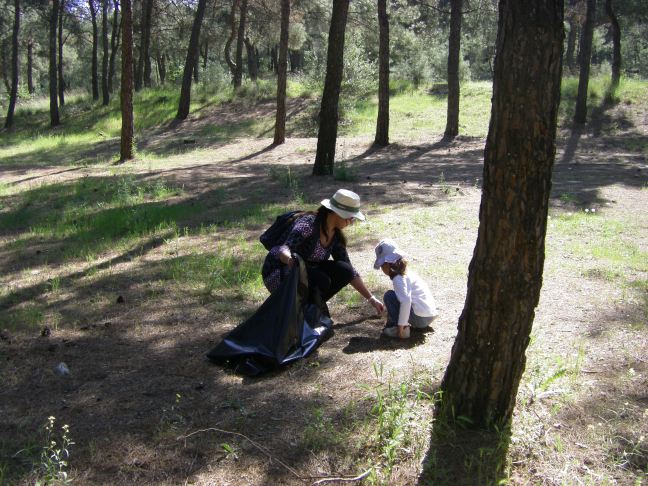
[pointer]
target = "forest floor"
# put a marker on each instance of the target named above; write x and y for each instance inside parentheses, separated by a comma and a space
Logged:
(133, 320)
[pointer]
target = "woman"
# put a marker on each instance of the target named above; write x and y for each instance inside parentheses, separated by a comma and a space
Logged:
(315, 237)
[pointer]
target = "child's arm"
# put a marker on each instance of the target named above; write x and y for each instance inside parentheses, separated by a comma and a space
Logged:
(404, 294)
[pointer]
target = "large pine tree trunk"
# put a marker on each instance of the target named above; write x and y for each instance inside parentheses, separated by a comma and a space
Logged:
(280, 121)
(505, 274)
(95, 48)
(30, 66)
(327, 136)
(53, 89)
(238, 72)
(584, 58)
(61, 80)
(382, 122)
(114, 45)
(454, 47)
(192, 59)
(126, 92)
(616, 49)
(15, 67)
(104, 59)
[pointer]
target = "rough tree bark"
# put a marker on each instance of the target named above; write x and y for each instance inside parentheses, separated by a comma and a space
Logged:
(126, 92)
(454, 48)
(280, 121)
(238, 72)
(95, 47)
(53, 89)
(13, 95)
(105, 56)
(584, 58)
(192, 59)
(616, 50)
(114, 45)
(61, 80)
(505, 274)
(382, 122)
(328, 118)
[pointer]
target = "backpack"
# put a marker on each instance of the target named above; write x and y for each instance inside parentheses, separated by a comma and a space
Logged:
(278, 231)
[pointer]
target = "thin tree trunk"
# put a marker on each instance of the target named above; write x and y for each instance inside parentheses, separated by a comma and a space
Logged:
(61, 80)
(252, 61)
(230, 39)
(572, 36)
(162, 67)
(53, 89)
(616, 50)
(382, 122)
(126, 92)
(454, 47)
(15, 66)
(104, 59)
(205, 54)
(114, 45)
(580, 115)
(95, 47)
(238, 72)
(30, 66)
(192, 59)
(505, 274)
(280, 122)
(146, 43)
(327, 135)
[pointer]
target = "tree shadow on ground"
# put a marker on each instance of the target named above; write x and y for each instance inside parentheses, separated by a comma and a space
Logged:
(459, 456)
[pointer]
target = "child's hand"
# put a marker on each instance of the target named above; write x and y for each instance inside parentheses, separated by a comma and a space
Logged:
(379, 306)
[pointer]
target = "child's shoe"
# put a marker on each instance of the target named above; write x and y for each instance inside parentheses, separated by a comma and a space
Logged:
(402, 332)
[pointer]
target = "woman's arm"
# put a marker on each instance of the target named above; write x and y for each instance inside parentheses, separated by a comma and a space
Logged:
(359, 285)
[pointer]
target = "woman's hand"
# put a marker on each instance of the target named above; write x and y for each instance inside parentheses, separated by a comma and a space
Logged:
(379, 306)
(287, 259)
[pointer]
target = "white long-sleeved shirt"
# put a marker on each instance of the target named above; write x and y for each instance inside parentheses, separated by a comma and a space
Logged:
(413, 293)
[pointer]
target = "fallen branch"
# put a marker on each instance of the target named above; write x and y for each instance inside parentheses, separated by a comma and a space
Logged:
(344, 479)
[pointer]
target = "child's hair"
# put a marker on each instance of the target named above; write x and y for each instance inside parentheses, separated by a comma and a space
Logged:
(399, 267)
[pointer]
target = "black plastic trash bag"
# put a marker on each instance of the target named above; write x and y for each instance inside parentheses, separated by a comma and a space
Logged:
(284, 329)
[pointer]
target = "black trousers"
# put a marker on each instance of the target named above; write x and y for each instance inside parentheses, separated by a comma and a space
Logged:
(325, 279)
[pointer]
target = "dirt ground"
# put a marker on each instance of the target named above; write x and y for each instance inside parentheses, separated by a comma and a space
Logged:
(139, 380)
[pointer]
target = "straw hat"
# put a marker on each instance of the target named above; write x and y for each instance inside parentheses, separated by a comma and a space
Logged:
(345, 203)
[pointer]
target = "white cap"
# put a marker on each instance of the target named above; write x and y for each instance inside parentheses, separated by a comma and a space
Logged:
(387, 251)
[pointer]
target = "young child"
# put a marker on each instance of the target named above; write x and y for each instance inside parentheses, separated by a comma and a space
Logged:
(411, 302)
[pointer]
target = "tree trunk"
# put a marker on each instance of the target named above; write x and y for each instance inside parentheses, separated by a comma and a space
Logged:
(252, 60)
(126, 93)
(280, 122)
(238, 72)
(161, 62)
(454, 47)
(328, 118)
(274, 63)
(145, 55)
(196, 75)
(15, 66)
(61, 81)
(205, 54)
(585, 49)
(114, 45)
(382, 122)
(95, 47)
(30, 66)
(230, 39)
(505, 274)
(53, 89)
(104, 59)
(616, 50)
(192, 59)
(572, 36)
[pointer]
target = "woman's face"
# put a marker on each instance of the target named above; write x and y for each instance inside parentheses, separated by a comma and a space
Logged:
(340, 222)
